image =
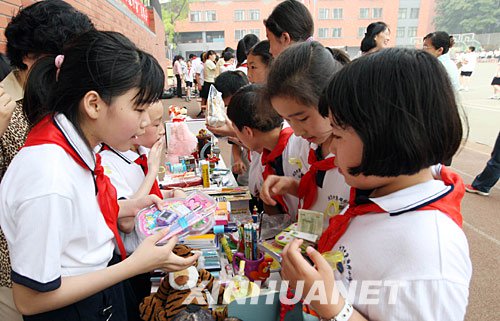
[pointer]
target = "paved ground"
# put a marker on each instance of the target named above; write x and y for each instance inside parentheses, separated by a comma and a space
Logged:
(481, 223)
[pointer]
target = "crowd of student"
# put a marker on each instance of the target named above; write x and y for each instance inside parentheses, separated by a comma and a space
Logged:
(361, 141)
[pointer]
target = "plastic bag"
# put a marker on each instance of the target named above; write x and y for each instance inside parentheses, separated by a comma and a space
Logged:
(216, 110)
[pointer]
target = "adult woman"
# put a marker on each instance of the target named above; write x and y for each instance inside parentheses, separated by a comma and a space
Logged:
(377, 37)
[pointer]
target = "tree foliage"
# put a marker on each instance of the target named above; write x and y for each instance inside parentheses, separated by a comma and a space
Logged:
(173, 11)
(465, 16)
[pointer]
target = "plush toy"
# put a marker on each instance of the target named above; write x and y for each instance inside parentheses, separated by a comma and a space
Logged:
(179, 289)
(182, 142)
(177, 113)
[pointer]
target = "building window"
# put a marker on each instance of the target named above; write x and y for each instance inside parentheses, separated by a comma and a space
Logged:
(190, 37)
(239, 34)
(364, 13)
(254, 15)
(323, 14)
(239, 15)
(255, 32)
(400, 33)
(402, 13)
(414, 13)
(211, 15)
(412, 32)
(337, 13)
(337, 33)
(195, 16)
(377, 13)
(361, 32)
(215, 36)
(323, 33)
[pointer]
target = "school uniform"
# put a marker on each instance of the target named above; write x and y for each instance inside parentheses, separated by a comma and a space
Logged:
(127, 177)
(53, 223)
(127, 171)
(286, 163)
(325, 189)
(408, 247)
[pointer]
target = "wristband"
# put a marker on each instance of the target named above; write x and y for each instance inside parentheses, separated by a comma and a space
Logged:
(343, 315)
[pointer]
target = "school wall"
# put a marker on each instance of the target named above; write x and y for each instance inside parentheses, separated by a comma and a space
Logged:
(111, 15)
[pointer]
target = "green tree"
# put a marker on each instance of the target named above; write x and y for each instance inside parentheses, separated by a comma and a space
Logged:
(173, 11)
(464, 16)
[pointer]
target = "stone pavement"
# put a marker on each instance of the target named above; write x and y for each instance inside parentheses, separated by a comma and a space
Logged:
(481, 214)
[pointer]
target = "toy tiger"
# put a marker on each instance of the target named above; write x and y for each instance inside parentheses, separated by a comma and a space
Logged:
(176, 292)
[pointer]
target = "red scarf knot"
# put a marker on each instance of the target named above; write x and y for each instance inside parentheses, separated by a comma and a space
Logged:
(308, 190)
(268, 158)
(46, 132)
(143, 162)
(448, 204)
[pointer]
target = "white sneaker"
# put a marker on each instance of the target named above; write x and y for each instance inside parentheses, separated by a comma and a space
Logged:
(494, 97)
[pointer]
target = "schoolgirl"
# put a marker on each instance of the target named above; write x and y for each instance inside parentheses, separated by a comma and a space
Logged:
(296, 80)
(60, 230)
(289, 23)
(401, 235)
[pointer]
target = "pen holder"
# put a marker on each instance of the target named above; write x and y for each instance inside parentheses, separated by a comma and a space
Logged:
(255, 270)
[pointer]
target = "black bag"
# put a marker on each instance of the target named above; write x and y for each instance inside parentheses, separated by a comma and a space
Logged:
(168, 93)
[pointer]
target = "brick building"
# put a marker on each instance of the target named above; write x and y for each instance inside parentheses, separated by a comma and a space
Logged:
(337, 23)
(141, 23)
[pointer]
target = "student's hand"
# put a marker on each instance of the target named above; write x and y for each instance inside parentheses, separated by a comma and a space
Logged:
(149, 256)
(239, 167)
(174, 193)
(130, 207)
(295, 268)
(225, 130)
(155, 154)
(277, 185)
(7, 106)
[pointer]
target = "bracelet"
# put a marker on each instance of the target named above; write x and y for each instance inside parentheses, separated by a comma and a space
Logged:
(343, 315)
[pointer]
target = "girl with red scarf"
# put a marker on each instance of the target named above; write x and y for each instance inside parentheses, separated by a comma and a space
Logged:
(59, 211)
(401, 237)
(296, 80)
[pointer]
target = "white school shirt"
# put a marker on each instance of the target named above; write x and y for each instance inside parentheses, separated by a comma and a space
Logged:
(199, 69)
(292, 167)
(50, 215)
(189, 74)
(451, 69)
(126, 176)
(471, 59)
(422, 254)
(333, 194)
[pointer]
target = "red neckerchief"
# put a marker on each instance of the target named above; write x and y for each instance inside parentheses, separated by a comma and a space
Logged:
(143, 162)
(243, 65)
(46, 132)
(268, 158)
(308, 190)
(449, 205)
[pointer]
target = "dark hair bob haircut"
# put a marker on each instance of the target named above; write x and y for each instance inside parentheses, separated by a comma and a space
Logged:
(293, 17)
(373, 29)
(401, 104)
(104, 61)
(250, 108)
(244, 46)
(229, 82)
(440, 39)
(302, 71)
(262, 50)
(43, 28)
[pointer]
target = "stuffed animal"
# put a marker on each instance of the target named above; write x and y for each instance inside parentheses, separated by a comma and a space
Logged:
(179, 289)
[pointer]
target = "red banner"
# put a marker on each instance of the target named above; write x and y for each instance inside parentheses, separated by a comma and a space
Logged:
(138, 9)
